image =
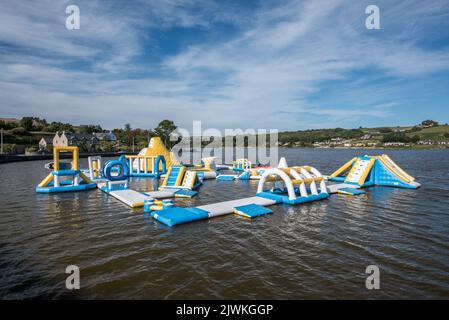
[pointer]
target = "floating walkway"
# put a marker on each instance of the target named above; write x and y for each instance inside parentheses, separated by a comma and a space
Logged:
(129, 197)
(120, 191)
(226, 207)
(176, 215)
(165, 194)
(290, 185)
(133, 198)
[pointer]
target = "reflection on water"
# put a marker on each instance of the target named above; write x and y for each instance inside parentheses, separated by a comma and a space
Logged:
(314, 250)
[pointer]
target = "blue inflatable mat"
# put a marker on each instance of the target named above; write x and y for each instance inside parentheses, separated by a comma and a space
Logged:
(184, 193)
(68, 188)
(244, 176)
(175, 215)
(252, 210)
(226, 177)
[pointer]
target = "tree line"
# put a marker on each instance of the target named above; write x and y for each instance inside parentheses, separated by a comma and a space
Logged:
(29, 130)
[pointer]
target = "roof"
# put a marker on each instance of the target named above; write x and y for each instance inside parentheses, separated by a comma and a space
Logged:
(105, 135)
(79, 136)
(48, 140)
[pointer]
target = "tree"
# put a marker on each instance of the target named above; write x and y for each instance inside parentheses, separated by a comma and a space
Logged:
(399, 137)
(415, 138)
(8, 125)
(89, 129)
(106, 146)
(163, 130)
(20, 131)
(395, 137)
(84, 129)
(385, 130)
(27, 123)
(429, 123)
(83, 146)
(127, 127)
(59, 126)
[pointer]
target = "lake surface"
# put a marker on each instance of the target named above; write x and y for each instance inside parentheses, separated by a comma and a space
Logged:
(315, 250)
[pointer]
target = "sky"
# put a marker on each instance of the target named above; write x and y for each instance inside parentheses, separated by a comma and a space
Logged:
(286, 65)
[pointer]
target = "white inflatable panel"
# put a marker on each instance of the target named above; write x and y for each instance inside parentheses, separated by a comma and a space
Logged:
(210, 174)
(223, 167)
(333, 188)
(167, 193)
(226, 207)
(130, 197)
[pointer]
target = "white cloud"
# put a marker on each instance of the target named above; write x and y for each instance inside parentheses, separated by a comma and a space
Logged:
(275, 72)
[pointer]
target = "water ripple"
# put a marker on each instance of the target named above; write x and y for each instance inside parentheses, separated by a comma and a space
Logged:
(315, 250)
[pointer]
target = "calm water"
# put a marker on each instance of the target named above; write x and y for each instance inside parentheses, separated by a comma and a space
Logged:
(317, 250)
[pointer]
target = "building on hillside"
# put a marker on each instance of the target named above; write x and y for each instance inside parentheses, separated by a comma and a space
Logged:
(87, 142)
(105, 136)
(425, 142)
(366, 136)
(394, 144)
(337, 140)
(60, 140)
(45, 144)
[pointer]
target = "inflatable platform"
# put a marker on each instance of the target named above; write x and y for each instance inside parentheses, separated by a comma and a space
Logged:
(112, 178)
(152, 161)
(65, 177)
(289, 185)
(365, 171)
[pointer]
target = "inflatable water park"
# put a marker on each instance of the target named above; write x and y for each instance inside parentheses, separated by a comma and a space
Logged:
(280, 185)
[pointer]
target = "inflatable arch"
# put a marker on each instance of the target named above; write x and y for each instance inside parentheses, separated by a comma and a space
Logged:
(121, 167)
(280, 173)
(303, 178)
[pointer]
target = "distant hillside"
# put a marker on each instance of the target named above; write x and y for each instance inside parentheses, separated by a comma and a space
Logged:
(427, 134)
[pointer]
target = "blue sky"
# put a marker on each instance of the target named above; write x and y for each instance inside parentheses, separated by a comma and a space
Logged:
(231, 64)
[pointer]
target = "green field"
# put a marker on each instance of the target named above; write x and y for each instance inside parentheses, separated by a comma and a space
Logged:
(406, 134)
(436, 133)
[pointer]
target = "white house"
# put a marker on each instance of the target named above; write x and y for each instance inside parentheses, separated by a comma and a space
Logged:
(105, 136)
(60, 140)
(45, 143)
